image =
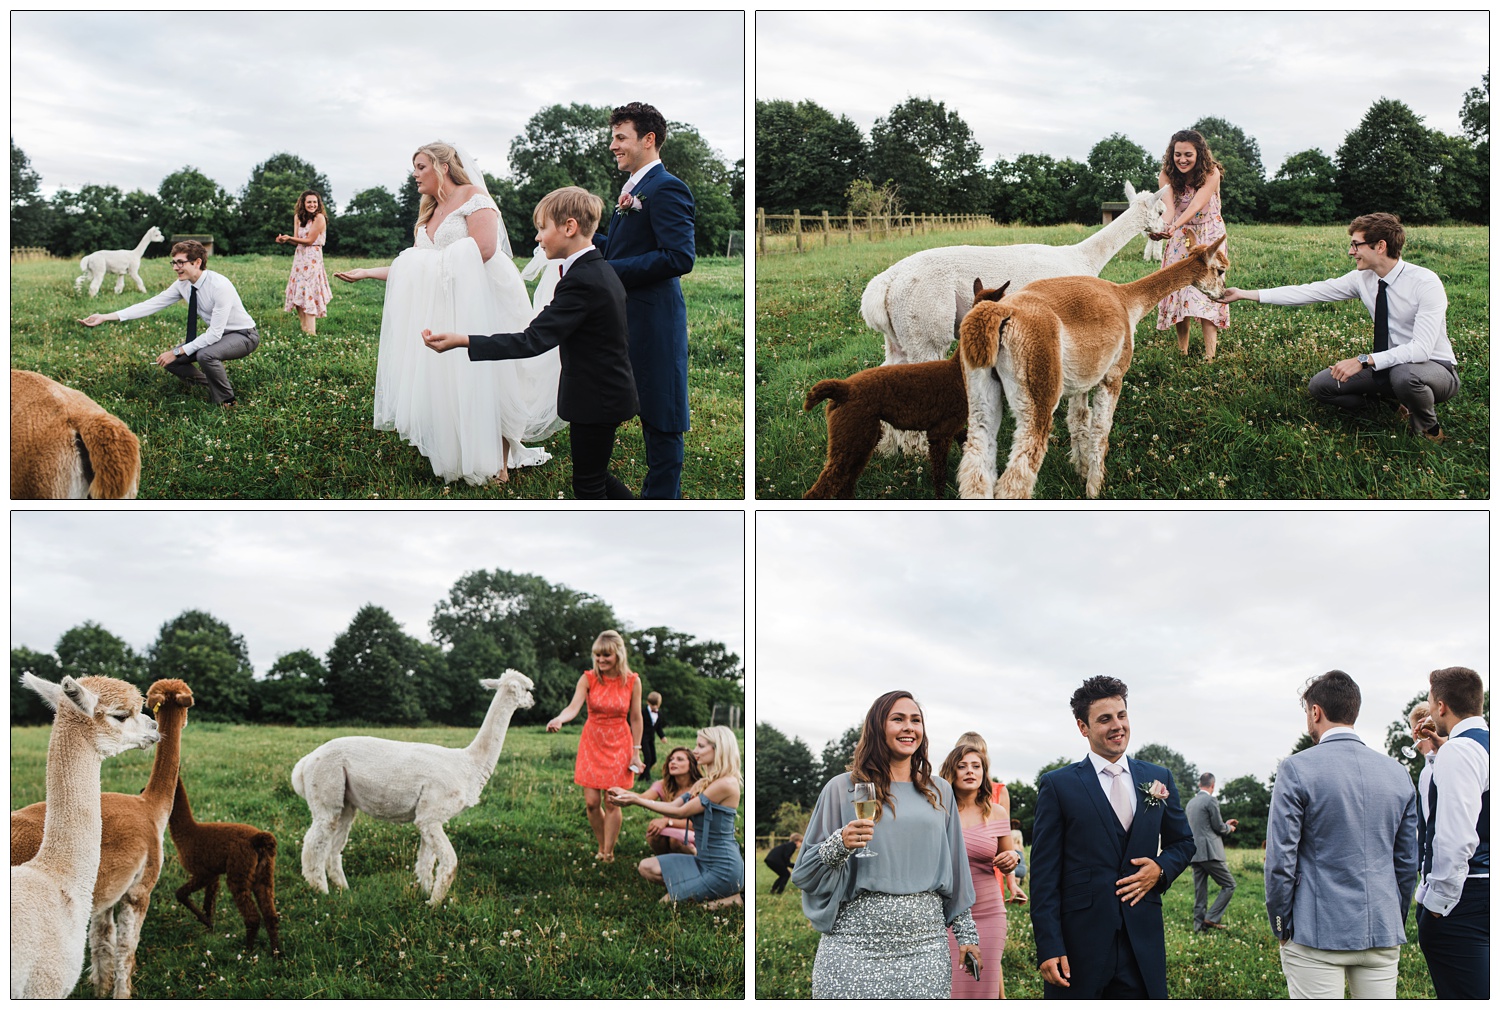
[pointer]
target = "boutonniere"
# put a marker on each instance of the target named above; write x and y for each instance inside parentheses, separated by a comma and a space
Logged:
(630, 203)
(1154, 792)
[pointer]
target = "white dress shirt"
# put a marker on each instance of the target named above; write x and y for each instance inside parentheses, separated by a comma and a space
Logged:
(1105, 780)
(1462, 774)
(639, 174)
(1415, 301)
(218, 302)
(563, 270)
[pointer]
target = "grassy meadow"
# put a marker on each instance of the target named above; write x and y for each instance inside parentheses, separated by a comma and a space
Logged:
(1241, 962)
(302, 429)
(530, 913)
(1241, 426)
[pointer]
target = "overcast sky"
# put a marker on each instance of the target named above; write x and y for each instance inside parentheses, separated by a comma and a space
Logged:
(129, 98)
(1214, 621)
(1058, 83)
(294, 580)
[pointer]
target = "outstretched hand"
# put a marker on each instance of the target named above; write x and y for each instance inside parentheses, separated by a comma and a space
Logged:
(351, 276)
(444, 341)
(93, 320)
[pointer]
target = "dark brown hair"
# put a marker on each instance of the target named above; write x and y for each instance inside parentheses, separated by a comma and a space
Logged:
(1459, 687)
(1381, 227)
(872, 757)
(1096, 689)
(950, 772)
(193, 250)
(644, 118)
(1202, 168)
(303, 217)
(670, 789)
(1336, 694)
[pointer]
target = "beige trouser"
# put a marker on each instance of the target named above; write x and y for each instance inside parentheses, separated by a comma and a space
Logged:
(1320, 974)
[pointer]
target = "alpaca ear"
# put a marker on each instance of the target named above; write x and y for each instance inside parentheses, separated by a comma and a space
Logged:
(81, 697)
(1129, 192)
(50, 693)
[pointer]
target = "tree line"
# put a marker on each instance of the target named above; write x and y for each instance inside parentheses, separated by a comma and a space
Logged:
(376, 674)
(788, 778)
(561, 145)
(924, 156)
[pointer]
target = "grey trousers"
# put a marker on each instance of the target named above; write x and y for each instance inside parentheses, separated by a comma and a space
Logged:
(206, 367)
(1417, 387)
(1219, 871)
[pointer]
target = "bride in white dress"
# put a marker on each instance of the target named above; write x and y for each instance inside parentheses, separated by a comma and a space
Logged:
(468, 418)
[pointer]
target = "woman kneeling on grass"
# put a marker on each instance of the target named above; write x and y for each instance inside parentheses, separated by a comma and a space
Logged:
(673, 833)
(716, 874)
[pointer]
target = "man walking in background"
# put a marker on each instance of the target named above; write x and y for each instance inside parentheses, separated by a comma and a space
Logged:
(1341, 854)
(1209, 831)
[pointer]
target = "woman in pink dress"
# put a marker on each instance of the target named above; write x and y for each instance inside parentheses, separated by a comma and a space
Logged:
(987, 838)
(307, 290)
(673, 834)
(1190, 169)
(609, 750)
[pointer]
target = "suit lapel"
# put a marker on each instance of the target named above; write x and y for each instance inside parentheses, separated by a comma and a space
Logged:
(1089, 779)
(1144, 811)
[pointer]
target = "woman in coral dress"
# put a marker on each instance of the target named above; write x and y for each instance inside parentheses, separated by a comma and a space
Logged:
(307, 290)
(609, 751)
(986, 826)
(1190, 169)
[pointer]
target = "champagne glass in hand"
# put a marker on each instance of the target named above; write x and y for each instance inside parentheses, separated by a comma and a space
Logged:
(865, 805)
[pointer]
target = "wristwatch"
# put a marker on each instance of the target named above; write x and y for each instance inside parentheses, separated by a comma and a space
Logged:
(1365, 361)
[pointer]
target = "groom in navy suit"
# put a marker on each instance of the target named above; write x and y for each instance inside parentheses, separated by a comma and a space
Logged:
(1109, 837)
(650, 245)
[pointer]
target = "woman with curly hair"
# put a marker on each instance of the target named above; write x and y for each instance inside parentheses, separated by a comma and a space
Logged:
(1190, 169)
(884, 917)
(307, 290)
(673, 833)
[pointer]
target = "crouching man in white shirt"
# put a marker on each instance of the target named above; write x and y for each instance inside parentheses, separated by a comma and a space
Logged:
(231, 332)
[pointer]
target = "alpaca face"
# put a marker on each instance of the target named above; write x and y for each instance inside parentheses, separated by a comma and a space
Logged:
(120, 725)
(1215, 269)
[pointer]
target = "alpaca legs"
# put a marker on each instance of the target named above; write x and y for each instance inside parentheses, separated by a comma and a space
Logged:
(1106, 396)
(263, 886)
(102, 938)
(136, 276)
(976, 471)
(851, 440)
(1078, 433)
(315, 851)
(132, 916)
(434, 838)
(203, 915)
(336, 847)
(1029, 447)
(426, 865)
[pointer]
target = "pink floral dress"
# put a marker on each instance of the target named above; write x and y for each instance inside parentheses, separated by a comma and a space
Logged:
(1206, 226)
(307, 288)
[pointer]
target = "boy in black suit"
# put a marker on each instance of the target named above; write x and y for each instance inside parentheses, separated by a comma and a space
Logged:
(586, 321)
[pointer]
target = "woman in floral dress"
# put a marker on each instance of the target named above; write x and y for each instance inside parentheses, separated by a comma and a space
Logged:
(1190, 169)
(307, 290)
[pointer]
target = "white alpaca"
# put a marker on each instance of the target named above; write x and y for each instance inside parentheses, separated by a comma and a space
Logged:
(393, 780)
(51, 896)
(123, 262)
(919, 301)
(1153, 250)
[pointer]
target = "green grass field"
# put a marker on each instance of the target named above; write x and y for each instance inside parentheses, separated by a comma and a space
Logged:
(1240, 962)
(530, 914)
(1242, 426)
(303, 428)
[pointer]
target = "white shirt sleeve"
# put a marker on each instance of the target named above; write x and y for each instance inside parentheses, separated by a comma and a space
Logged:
(1462, 774)
(154, 304)
(1337, 289)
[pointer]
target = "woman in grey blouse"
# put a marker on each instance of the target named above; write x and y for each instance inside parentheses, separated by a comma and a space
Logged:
(884, 917)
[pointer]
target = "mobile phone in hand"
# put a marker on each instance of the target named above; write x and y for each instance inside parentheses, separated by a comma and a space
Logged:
(970, 965)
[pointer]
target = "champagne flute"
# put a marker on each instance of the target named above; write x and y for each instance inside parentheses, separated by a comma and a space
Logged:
(865, 806)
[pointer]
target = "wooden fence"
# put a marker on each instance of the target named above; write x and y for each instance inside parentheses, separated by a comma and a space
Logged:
(24, 253)
(794, 232)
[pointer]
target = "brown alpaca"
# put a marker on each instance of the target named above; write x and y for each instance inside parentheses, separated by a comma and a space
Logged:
(928, 397)
(1064, 335)
(245, 855)
(131, 851)
(64, 445)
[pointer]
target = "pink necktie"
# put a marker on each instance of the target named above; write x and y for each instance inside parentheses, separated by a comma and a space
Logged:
(1119, 796)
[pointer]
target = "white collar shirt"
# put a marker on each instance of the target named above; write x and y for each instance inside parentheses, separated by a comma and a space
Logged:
(1105, 781)
(567, 264)
(639, 174)
(1462, 775)
(218, 302)
(1337, 731)
(1416, 304)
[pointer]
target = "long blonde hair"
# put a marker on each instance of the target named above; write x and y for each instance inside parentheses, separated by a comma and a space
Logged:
(440, 154)
(726, 760)
(612, 641)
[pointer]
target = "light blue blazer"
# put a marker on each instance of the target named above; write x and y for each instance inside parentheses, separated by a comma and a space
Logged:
(1341, 848)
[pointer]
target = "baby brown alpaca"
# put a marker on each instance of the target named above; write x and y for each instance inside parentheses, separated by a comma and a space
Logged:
(929, 396)
(244, 854)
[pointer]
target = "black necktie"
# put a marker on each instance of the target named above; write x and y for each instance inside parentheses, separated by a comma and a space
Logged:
(1382, 320)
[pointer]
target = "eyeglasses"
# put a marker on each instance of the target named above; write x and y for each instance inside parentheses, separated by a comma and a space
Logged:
(1355, 245)
(179, 263)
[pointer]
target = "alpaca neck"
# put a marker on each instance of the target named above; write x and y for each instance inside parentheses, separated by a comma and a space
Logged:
(1142, 294)
(73, 823)
(1100, 247)
(484, 750)
(181, 818)
(163, 782)
(140, 249)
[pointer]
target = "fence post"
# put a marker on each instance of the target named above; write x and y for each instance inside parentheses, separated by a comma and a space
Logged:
(797, 227)
(851, 227)
(825, 229)
(760, 230)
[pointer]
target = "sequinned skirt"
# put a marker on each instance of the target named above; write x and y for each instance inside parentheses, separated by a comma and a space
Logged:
(885, 946)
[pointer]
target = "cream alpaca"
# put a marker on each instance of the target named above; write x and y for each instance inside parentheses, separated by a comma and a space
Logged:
(393, 780)
(64, 445)
(50, 896)
(1066, 335)
(132, 853)
(122, 262)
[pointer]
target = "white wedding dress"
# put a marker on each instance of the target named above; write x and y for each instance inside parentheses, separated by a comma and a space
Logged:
(462, 414)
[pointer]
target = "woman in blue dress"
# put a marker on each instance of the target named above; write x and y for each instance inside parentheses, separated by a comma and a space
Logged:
(716, 875)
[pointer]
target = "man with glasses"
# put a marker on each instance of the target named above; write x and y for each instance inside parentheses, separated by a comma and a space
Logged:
(1411, 361)
(231, 332)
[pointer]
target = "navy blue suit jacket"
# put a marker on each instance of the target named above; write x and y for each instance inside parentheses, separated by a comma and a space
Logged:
(1078, 852)
(649, 249)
